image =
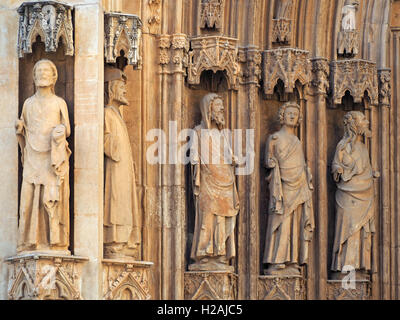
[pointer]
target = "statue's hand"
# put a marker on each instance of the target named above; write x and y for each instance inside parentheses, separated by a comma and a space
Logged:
(376, 174)
(19, 126)
(59, 133)
(271, 163)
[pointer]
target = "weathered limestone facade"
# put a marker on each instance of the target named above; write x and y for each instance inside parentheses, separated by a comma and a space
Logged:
(329, 57)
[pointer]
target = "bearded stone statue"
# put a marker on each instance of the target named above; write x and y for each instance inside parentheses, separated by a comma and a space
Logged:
(353, 174)
(122, 220)
(42, 131)
(214, 188)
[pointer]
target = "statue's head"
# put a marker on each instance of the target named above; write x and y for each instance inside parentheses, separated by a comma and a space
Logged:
(212, 110)
(45, 74)
(355, 124)
(115, 86)
(351, 3)
(289, 114)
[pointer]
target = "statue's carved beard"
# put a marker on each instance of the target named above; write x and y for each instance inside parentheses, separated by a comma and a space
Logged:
(219, 120)
(120, 99)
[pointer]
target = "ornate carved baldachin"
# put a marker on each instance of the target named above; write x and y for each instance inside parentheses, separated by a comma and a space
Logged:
(357, 77)
(215, 53)
(212, 14)
(288, 65)
(48, 19)
(123, 32)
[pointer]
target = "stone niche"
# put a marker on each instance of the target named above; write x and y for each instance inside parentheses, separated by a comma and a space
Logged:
(45, 277)
(210, 285)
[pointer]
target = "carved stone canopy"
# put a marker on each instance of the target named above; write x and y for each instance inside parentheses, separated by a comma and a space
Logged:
(288, 65)
(212, 14)
(51, 21)
(357, 77)
(123, 32)
(281, 31)
(215, 53)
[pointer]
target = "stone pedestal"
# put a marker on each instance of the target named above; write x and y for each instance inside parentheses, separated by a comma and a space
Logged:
(210, 285)
(126, 279)
(281, 288)
(39, 276)
(336, 290)
(348, 43)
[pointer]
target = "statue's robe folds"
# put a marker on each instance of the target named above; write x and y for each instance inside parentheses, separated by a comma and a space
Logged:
(216, 199)
(291, 218)
(44, 208)
(122, 219)
(349, 17)
(354, 208)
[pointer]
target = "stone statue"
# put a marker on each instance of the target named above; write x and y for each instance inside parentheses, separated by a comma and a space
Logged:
(349, 15)
(214, 188)
(291, 218)
(284, 9)
(122, 220)
(353, 174)
(42, 131)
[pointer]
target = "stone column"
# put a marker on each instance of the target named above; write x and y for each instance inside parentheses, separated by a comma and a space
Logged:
(384, 77)
(89, 152)
(319, 91)
(8, 141)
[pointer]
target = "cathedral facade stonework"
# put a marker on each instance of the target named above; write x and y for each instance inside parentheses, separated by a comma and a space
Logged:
(201, 149)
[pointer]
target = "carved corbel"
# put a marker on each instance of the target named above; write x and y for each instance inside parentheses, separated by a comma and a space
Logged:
(51, 21)
(288, 65)
(250, 59)
(355, 76)
(215, 53)
(174, 53)
(320, 76)
(123, 32)
(384, 76)
(212, 14)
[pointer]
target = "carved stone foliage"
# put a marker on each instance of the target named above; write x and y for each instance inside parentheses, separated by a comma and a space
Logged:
(215, 53)
(154, 20)
(45, 277)
(288, 65)
(320, 76)
(348, 43)
(124, 280)
(384, 77)
(123, 32)
(210, 286)
(212, 14)
(251, 69)
(281, 31)
(336, 291)
(355, 76)
(281, 288)
(48, 19)
(174, 53)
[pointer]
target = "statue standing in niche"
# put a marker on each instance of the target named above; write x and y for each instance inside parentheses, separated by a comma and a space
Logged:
(122, 231)
(214, 188)
(291, 218)
(349, 15)
(284, 9)
(42, 131)
(353, 174)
